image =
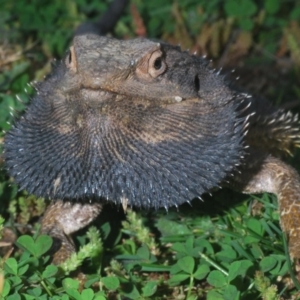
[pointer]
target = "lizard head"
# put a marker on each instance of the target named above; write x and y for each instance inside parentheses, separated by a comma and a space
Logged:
(141, 68)
(135, 122)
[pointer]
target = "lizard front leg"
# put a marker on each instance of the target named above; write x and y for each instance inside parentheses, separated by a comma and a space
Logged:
(61, 219)
(269, 174)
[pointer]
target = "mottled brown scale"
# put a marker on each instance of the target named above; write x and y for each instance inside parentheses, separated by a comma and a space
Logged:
(144, 124)
(265, 173)
(61, 219)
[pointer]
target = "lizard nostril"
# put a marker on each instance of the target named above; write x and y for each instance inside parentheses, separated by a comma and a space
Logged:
(70, 57)
(70, 60)
(197, 83)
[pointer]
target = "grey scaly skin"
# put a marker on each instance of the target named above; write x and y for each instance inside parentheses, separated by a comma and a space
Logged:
(145, 124)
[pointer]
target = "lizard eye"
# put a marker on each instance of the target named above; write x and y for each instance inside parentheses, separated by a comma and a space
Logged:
(157, 64)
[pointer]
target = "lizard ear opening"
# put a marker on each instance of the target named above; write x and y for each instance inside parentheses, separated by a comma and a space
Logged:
(70, 60)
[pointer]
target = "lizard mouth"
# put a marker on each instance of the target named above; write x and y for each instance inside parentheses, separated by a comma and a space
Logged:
(99, 95)
(102, 95)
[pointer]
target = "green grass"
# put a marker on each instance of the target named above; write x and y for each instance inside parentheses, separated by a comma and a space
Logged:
(227, 247)
(182, 255)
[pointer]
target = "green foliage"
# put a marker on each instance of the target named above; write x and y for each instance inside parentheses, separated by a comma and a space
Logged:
(268, 18)
(92, 250)
(27, 275)
(228, 254)
(233, 258)
(52, 22)
(1, 226)
(268, 291)
(30, 278)
(134, 226)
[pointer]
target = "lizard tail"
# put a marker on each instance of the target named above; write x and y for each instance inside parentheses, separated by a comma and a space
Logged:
(107, 21)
